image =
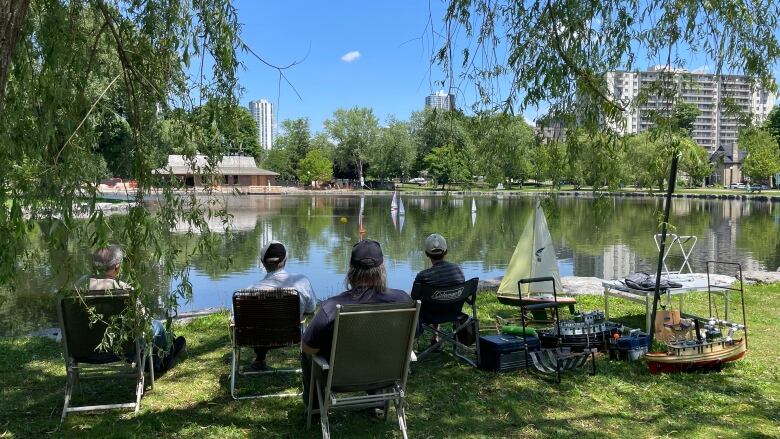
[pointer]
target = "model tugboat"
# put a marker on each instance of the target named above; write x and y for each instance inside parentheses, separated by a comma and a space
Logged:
(707, 348)
(582, 331)
(709, 351)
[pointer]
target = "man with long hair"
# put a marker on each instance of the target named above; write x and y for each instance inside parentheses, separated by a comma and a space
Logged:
(367, 283)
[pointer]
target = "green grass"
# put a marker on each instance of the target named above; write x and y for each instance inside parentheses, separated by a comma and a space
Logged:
(446, 398)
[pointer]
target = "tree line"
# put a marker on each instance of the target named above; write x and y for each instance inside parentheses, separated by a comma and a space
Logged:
(452, 147)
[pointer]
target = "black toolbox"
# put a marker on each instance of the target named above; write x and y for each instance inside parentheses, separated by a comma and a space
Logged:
(505, 352)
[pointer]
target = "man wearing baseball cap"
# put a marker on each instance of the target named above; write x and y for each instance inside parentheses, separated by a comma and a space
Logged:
(366, 281)
(441, 273)
(273, 256)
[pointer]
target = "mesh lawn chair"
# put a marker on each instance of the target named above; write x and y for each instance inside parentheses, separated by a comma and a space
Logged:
(264, 318)
(80, 340)
(372, 346)
(444, 305)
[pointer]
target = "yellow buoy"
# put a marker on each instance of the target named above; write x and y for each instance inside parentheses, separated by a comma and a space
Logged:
(343, 220)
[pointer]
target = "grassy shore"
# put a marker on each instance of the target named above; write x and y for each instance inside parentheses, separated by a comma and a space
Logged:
(446, 398)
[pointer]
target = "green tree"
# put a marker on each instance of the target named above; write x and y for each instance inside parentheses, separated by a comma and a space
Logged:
(763, 158)
(502, 147)
(295, 138)
(393, 153)
(433, 128)
(315, 167)
(278, 160)
(447, 164)
(228, 128)
(772, 123)
(695, 161)
(355, 132)
(65, 66)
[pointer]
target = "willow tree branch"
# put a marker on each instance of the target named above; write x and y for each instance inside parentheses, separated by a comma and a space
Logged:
(12, 15)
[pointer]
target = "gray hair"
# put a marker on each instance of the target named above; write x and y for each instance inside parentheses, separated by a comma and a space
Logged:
(106, 258)
(271, 266)
(374, 277)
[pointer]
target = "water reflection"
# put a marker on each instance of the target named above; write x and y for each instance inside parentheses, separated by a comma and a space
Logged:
(602, 237)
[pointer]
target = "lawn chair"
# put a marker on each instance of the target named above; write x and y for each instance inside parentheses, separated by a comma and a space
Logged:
(267, 318)
(371, 351)
(444, 305)
(80, 340)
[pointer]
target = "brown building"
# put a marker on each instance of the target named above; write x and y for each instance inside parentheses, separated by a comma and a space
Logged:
(234, 171)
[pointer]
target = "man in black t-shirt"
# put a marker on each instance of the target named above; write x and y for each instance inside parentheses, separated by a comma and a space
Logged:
(367, 281)
(442, 273)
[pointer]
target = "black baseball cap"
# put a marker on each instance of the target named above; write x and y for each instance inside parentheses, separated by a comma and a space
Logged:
(273, 251)
(367, 254)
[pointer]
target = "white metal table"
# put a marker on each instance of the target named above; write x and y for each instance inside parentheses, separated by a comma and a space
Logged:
(616, 288)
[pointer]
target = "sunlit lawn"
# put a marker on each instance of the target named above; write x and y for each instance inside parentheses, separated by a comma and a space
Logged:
(446, 398)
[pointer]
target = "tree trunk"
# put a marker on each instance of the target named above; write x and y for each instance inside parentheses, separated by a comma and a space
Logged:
(12, 13)
(359, 166)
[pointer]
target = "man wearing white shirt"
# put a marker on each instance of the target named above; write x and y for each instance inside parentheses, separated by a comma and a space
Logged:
(273, 256)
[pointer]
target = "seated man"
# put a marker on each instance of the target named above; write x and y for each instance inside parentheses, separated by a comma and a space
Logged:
(273, 256)
(367, 282)
(442, 272)
(107, 262)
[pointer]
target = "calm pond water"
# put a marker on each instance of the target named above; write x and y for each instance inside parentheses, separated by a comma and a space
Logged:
(601, 237)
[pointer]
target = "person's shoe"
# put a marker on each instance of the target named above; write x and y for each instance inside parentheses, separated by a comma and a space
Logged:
(258, 366)
(179, 344)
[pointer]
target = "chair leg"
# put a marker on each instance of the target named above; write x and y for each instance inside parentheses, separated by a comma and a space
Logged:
(150, 362)
(401, 413)
(139, 387)
(234, 371)
(68, 392)
(310, 403)
(323, 414)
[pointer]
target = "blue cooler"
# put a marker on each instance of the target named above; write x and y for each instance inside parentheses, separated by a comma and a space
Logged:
(504, 352)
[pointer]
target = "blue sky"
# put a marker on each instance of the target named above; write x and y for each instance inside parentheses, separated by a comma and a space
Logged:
(392, 73)
(357, 53)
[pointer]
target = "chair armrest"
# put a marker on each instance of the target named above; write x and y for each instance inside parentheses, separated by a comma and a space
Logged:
(321, 362)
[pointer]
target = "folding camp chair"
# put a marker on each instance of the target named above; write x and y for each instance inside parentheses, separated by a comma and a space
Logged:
(264, 318)
(444, 304)
(371, 351)
(81, 338)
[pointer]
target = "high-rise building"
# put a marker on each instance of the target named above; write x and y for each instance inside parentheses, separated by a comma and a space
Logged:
(263, 113)
(715, 128)
(440, 101)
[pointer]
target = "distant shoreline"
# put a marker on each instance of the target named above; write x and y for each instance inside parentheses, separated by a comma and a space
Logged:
(282, 191)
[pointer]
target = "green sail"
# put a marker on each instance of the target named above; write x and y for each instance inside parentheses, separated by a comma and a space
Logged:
(534, 256)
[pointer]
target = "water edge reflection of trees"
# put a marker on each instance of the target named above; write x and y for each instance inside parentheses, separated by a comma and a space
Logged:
(320, 230)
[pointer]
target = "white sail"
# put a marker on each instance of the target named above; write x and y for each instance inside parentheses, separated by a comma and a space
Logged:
(401, 222)
(534, 256)
(401, 209)
(473, 205)
(394, 203)
(394, 216)
(473, 218)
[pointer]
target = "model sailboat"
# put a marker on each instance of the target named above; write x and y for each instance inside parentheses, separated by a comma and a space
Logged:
(394, 202)
(534, 256)
(401, 210)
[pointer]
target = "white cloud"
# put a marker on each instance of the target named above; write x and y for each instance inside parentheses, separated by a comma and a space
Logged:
(350, 56)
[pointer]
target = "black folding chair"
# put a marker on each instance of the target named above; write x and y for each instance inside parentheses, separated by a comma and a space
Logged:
(370, 356)
(264, 318)
(444, 304)
(81, 338)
